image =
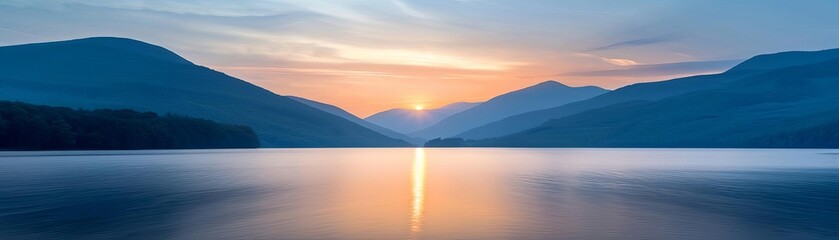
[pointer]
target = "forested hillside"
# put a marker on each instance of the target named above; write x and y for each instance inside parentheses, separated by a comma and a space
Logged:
(36, 127)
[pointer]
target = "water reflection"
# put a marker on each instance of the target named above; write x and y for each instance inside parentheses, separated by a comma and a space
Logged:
(418, 189)
(386, 194)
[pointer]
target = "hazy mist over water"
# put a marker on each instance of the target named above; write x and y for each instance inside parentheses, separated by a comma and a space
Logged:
(406, 193)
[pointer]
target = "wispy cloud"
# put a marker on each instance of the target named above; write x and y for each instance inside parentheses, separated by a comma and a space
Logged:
(410, 10)
(654, 70)
(634, 43)
(613, 61)
(437, 50)
(23, 33)
(620, 61)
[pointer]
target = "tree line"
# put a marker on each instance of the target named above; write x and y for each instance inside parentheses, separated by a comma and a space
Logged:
(36, 127)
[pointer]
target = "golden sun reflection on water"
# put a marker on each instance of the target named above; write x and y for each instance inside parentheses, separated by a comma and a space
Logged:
(418, 189)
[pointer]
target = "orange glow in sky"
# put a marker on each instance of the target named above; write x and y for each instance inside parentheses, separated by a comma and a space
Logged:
(365, 81)
(367, 56)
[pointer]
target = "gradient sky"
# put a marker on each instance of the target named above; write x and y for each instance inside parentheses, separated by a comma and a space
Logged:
(371, 55)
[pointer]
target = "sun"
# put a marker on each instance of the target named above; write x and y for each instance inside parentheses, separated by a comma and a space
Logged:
(419, 107)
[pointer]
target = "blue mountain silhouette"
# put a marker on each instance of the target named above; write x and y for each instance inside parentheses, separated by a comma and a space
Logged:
(334, 110)
(776, 100)
(410, 120)
(107, 72)
(544, 95)
(651, 91)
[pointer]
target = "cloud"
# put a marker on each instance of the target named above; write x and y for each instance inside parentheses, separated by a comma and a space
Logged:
(22, 33)
(620, 61)
(613, 61)
(410, 11)
(634, 43)
(309, 48)
(207, 8)
(665, 69)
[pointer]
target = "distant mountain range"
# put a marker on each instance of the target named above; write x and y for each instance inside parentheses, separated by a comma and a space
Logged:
(410, 120)
(777, 100)
(349, 116)
(544, 95)
(107, 72)
(649, 91)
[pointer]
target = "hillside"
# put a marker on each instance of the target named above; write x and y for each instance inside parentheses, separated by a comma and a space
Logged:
(652, 91)
(410, 120)
(119, 73)
(544, 95)
(334, 110)
(776, 108)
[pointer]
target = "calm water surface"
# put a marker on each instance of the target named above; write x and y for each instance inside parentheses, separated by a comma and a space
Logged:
(421, 194)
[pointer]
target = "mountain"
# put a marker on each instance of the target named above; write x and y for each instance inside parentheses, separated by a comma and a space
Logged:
(334, 110)
(785, 59)
(540, 96)
(786, 103)
(410, 120)
(116, 73)
(651, 91)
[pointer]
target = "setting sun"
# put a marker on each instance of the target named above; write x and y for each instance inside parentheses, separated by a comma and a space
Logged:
(292, 119)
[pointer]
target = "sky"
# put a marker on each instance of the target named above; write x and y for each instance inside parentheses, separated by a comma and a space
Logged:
(368, 56)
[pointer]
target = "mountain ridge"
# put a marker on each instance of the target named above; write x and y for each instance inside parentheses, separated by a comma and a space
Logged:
(409, 120)
(752, 110)
(337, 111)
(543, 95)
(646, 91)
(105, 72)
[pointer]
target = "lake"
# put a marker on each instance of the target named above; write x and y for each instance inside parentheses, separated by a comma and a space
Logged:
(421, 194)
